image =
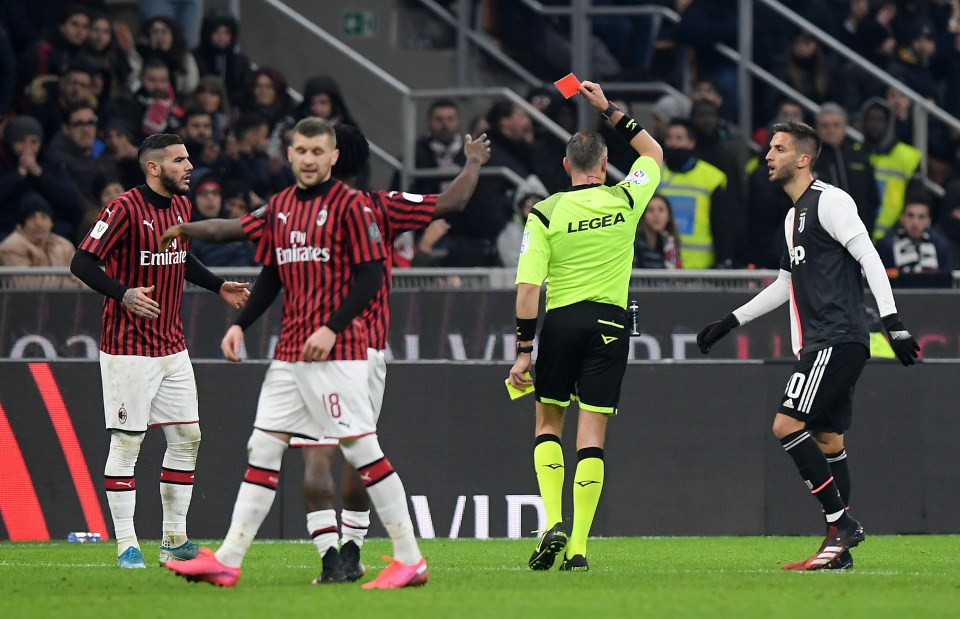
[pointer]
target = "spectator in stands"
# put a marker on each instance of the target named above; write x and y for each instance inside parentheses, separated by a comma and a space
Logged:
(208, 204)
(50, 97)
(77, 146)
(657, 245)
(438, 149)
(703, 24)
(186, 13)
(911, 246)
(721, 144)
(917, 64)
(106, 190)
(697, 192)
(868, 32)
(211, 97)
(472, 240)
(60, 47)
(238, 200)
(122, 148)
(528, 194)
(950, 99)
(807, 68)
(8, 72)
(894, 162)
(787, 110)
(939, 149)
(34, 244)
(25, 168)
(218, 55)
(160, 38)
(267, 95)
(845, 163)
(112, 44)
(949, 225)
(153, 108)
(250, 161)
(665, 109)
(206, 154)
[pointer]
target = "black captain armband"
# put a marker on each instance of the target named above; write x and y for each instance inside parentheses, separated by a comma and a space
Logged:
(526, 329)
(628, 127)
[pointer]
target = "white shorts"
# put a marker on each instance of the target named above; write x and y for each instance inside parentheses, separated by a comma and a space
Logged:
(141, 392)
(377, 378)
(327, 399)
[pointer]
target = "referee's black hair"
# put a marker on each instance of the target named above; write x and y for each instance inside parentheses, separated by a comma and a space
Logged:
(354, 152)
(806, 138)
(155, 142)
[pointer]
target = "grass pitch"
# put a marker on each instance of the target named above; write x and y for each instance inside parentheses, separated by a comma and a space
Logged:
(896, 576)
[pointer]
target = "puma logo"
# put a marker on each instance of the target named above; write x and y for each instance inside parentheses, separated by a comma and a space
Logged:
(282, 217)
(128, 484)
(148, 224)
(109, 212)
(365, 477)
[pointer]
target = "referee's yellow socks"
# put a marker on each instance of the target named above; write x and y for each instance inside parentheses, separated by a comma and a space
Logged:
(548, 463)
(587, 484)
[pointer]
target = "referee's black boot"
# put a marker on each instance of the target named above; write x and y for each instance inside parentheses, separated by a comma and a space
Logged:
(550, 545)
(576, 563)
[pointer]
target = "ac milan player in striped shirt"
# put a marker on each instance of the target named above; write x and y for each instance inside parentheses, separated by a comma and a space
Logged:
(320, 243)
(395, 213)
(147, 377)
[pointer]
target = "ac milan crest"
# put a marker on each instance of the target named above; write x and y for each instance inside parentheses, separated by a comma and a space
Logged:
(122, 414)
(322, 217)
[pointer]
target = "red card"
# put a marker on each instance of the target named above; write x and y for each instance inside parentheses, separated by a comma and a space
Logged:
(568, 85)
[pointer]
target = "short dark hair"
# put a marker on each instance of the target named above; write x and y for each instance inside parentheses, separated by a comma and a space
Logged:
(249, 122)
(354, 152)
(153, 62)
(585, 151)
(441, 102)
(75, 107)
(194, 111)
(155, 142)
(686, 124)
(804, 136)
(73, 9)
(499, 110)
(312, 126)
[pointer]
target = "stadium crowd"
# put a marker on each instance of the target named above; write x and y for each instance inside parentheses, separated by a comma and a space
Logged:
(79, 91)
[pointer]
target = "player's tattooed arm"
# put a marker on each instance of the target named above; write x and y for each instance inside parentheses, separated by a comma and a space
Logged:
(138, 303)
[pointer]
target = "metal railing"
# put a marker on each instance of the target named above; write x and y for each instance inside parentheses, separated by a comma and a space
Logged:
(60, 279)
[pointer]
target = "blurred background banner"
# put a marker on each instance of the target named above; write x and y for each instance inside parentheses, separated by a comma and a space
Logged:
(460, 325)
(690, 453)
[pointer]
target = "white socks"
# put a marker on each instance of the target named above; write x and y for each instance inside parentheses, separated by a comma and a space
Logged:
(176, 480)
(121, 486)
(255, 497)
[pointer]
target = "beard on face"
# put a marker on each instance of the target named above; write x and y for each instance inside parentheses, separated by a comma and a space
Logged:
(782, 175)
(172, 184)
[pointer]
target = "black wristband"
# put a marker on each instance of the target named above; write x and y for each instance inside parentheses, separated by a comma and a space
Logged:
(526, 349)
(892, 323)
(526, 329)
(628, 127)
(611, 108)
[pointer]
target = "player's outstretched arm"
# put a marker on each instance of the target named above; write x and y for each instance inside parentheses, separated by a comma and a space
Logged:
(639, 138)
(208, 230)
(454, 198)
(768, 299)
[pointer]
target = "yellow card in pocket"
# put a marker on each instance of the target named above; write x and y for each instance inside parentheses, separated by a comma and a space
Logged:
(518, 393)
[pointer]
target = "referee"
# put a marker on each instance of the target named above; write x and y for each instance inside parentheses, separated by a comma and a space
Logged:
(581, 241)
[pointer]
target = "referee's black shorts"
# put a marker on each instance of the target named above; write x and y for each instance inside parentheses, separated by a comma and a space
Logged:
(582, 355)
(820, 390)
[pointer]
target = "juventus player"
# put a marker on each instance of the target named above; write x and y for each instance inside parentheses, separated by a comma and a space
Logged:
(827, 246)
(147, 377)
(321, 244)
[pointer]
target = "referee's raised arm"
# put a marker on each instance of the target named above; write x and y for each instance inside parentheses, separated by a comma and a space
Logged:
(639, 138)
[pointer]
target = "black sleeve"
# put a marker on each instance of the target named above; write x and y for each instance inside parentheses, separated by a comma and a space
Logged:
(785, 261)
(365, 286)
(265, 290)
(86, 267)
(196, 273)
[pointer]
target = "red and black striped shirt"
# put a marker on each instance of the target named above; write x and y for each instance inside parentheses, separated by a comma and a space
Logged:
(395, 212)
(314, 238)
(126, 237)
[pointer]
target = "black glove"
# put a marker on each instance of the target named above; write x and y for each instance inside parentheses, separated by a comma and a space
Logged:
(710, 334)
(903, 344)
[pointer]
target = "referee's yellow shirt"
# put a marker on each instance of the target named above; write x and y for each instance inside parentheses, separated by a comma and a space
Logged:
(581, 240)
